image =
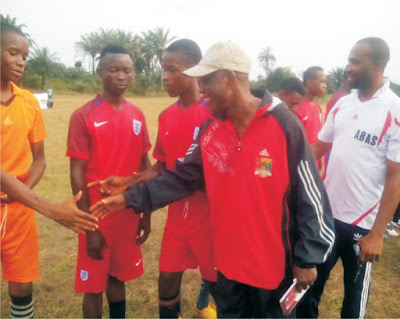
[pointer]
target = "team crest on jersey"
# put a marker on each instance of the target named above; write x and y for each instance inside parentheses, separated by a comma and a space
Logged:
(263, 164)
(137, 125)
(84, 275)
(196, 132)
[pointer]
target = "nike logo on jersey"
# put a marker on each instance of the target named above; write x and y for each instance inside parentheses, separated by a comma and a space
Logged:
(305, 118)
(366, 138)
(138, 263)
(355, 117)
(99, 124)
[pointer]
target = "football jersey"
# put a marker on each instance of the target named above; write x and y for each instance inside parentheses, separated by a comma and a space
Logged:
(21, 125)
(310, 114)
(113, 141)
(177, 129)
(364, 136)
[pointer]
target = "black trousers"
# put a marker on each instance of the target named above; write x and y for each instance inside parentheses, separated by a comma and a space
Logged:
(356, 292)
(238, 300)
(396, 215)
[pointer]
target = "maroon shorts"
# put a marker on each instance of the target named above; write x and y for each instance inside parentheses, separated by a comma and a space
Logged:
(122, 257)
(182, 250)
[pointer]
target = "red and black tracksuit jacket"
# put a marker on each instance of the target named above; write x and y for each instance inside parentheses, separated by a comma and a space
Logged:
(269, 207)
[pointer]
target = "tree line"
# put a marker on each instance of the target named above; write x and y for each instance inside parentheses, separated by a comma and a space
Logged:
(44, 70)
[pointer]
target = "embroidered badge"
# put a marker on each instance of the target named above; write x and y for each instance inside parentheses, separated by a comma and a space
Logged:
(137, 125)
(263, 164)
(84, 275)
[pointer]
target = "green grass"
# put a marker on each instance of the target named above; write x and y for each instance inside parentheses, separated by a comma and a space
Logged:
(54, 291)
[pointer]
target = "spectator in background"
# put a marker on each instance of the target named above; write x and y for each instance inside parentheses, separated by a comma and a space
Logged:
(363, 180)
(291, 92)
(309, 111)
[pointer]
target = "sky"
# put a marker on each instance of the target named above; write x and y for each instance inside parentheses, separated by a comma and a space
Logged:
(300, 33)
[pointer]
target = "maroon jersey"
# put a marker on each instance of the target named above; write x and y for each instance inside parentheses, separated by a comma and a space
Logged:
(310, 114)
(113, 141)
(177, 129)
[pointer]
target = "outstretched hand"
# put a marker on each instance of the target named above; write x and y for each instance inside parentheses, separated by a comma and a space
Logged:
(111, 185)
(68, 215)
(107, 206)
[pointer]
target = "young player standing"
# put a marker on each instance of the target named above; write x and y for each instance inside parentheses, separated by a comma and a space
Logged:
(108, 136)
(309, 111)
(22, 136)
(187, 241)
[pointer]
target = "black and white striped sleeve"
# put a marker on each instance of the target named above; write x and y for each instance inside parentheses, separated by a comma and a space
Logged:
(308, 201)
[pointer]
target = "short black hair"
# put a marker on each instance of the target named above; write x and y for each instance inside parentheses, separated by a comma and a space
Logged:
(379, 49)
(188, 48)
(310, 73)
(7, 27)
(113, 48)
(292, 85)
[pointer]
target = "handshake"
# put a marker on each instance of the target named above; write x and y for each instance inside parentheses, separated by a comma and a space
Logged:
(112, 188)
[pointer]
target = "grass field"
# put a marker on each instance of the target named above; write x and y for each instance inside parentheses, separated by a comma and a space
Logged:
(54, 292)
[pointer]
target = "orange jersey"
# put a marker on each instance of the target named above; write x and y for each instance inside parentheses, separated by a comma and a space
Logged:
(21, 125)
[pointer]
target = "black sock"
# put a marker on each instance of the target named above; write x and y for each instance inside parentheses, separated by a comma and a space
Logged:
(117, 309)
(169, 308)
(22, 307)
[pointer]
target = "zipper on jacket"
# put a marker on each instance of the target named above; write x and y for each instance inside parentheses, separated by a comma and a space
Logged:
(239, 146)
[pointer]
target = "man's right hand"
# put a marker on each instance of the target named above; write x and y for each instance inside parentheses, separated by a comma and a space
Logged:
(95, 244)
(111, 185)
(68, 215)
(108, 205)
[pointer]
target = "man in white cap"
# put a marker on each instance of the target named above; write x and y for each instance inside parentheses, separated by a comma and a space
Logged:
(270, 215)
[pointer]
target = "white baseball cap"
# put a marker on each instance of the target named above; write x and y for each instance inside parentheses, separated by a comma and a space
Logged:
(221, 56)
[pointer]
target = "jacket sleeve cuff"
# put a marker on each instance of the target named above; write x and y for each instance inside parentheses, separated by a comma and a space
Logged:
(304, 265)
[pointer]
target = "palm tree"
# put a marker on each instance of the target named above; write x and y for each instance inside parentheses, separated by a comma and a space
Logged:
(336, 77)
(148, 52)
(160, 41)
(43, 62)
(266, 59)
(90, 44)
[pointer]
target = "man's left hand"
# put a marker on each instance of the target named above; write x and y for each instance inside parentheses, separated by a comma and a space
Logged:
(371, 247)
(305, 277)
(144, 229)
